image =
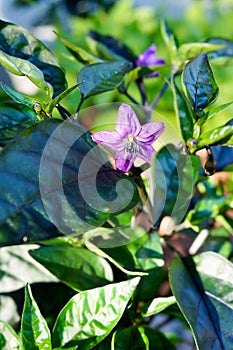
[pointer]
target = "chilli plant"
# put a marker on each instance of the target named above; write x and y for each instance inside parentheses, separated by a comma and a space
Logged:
(112, 226)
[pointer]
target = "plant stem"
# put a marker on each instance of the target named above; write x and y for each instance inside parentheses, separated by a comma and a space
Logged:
(158, 97)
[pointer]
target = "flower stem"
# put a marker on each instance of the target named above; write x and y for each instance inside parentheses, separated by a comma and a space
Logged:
(160, 94)
(142, 90)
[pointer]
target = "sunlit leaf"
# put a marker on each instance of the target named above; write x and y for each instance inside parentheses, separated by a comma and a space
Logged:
(9, 340)
(35, 333)
(85, 322)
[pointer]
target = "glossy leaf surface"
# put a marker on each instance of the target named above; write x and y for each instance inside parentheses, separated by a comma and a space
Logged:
(101, 77)
(17, 42)
(79, 268)
(34, 329)
(199, 82)
(84, 322)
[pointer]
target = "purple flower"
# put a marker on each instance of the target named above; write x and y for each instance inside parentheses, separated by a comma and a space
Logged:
(130, 139)
(148, 58)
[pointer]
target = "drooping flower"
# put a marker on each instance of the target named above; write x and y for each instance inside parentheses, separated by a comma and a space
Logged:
(148, 58)
(130, 139)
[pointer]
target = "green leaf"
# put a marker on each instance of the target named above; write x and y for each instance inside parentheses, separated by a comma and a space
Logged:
(211, 113)
(17, 268)
(157, 305)
(80, 54)
(14, 117)
(52, 105)
(203, 295)
(223, 56)
(91, 315)
(34, 330)
(174, 177)
(101, 77)
(223, 135)
(189, 50)
(48, 188)
(199, 82)
(17, 96)
(169, 39)
(184, 113)
(20, 44)
(79, 268)
(19, 66)
(143, 338)
(9, 340)
(140, 72)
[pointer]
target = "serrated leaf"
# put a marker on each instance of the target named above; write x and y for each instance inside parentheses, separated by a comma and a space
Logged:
(14, 117)
(199, 82)
(45, 159)
(79, 268)
(91, 315)
(206, 303)
(9, 340)
(174, 176)
(34, 330)
(17, 268)
(21, 67)
(79, 54)
(53, 103)
(17, 96)
(100, 77)
(184, 113)
(18, 42)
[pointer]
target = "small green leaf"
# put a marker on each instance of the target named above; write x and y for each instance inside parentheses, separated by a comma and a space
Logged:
(140, 72)
(211, 113)
(224, 56)
(223, 135)
(184, 113)
(17, 268)
(101, 77)
(52, 105)
(35, 333)
(199, 82)
(79, 268)
(157, 305)
(169, 39)
(189, 50)
(91, 315)
(17, 96)
(80, 54)
(206, 302)
(174, 176)
(14, 117)
(18, 42)
(9, 340)
(19, 66)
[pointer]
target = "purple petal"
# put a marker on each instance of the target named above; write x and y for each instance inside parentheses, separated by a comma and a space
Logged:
(150, 132)
(108, 138)
(147, 56)
(124, 160)
(146, 152)
(127, 121)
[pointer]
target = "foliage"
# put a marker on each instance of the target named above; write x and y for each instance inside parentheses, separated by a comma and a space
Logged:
(115, 249)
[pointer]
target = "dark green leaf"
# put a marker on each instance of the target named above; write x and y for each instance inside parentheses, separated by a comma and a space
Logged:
(199, 82)
(17, 42)
(101, 77)
(184, 113)
(9, 340)
(174, 175)
(80, 54)
(54, 161)
(91, 315)
(79, 268)
(34, 329)
(14, 117)
(17, 268)
(17, 96)
(223, 135)
(223, 56)
(203, 295)
(112, 48)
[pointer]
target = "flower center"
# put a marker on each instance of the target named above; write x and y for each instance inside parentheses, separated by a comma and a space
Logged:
(131, 144)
